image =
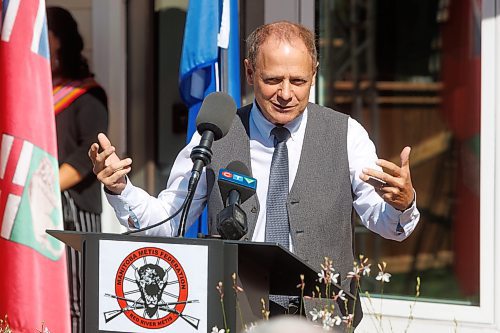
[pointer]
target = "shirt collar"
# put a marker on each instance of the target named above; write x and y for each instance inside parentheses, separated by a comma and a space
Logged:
(265, 127)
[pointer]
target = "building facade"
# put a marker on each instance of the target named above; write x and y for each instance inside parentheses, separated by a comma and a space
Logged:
(418, 73)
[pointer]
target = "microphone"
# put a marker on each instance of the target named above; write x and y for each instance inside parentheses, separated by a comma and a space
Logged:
(213, 122)
(236, 186)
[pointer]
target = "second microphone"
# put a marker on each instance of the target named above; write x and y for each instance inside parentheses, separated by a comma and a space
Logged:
(236, 186)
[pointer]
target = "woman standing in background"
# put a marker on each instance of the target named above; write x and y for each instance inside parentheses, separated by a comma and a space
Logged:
(80, 105)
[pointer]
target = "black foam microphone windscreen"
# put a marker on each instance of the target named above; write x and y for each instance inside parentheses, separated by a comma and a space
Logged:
(216, 114)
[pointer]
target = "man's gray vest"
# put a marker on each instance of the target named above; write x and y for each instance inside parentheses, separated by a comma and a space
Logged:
(320, 201)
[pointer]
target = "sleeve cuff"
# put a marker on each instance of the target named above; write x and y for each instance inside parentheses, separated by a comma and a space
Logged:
(108, 191)
(120, 205)
(404, 218)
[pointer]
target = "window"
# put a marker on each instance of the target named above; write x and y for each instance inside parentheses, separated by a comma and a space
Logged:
(410, 72)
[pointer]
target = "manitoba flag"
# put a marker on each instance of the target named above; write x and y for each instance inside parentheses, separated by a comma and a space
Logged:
(33, 282)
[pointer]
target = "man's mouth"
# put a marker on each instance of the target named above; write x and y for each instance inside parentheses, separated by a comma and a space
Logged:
(282, 108)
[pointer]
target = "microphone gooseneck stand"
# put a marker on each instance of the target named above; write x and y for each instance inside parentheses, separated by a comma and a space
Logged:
(201, 156)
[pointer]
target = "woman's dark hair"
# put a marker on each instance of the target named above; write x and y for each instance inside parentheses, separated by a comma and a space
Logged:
(72, 64)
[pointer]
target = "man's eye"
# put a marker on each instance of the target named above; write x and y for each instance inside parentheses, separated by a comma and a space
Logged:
(298, 82)
(272, 81)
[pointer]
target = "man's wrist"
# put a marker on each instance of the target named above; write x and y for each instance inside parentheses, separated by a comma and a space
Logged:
(110, 192)
(410, 205)
(107, 191)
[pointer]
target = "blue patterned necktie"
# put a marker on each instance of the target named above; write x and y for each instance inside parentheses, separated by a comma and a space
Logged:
(277, 225)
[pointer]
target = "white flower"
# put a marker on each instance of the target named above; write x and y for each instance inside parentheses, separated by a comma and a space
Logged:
(327, 320)
(251, 328)
(331, 322)
(384, 277)
(366, 270)
(341, 295)
(316, 314)
(335, 278)
(215, 329)
(348, 319)
(327, 323)
(354, 273)
(322, 276)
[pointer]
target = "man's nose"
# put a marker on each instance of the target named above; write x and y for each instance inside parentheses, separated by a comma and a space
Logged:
(285, 91)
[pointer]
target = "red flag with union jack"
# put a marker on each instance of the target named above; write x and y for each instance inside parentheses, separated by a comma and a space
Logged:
(33, 281)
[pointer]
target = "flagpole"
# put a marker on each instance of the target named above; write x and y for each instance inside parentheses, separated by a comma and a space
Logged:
(224, 71)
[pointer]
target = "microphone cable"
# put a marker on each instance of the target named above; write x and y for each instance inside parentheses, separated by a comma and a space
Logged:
(193, 183)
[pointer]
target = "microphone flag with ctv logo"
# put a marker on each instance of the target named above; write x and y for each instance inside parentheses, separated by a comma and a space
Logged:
(235, 180)
(33, 279)
(210, 61)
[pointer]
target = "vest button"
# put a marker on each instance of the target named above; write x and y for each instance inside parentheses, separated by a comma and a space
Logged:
(254, 209)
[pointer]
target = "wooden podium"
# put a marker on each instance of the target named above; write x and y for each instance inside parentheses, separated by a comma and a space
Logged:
(158, 284)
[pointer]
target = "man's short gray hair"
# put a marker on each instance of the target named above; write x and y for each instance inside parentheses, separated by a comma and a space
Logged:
(282, 31)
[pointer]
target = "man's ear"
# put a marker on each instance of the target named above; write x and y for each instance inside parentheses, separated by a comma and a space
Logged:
(315, 72)
(249, 72)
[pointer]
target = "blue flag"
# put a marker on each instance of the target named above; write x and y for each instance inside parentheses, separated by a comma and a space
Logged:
(210, 62)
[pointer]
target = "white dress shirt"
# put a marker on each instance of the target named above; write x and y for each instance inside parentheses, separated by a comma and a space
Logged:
(137, 206)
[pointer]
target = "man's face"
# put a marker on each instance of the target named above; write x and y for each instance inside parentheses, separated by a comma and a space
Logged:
(282, 79)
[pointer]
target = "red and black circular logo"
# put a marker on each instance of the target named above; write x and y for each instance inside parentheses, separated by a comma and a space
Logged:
(151, 288)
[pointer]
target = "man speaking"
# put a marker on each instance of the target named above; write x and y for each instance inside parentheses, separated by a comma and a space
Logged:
(312, 164)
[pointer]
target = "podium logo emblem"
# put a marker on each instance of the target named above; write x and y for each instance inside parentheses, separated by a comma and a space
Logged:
(151, 289)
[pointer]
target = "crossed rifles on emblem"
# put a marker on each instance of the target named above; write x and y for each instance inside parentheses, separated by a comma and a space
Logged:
(139, 305)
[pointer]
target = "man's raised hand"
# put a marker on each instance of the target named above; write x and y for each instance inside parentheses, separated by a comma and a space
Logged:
(398, 189)
(108, 167)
